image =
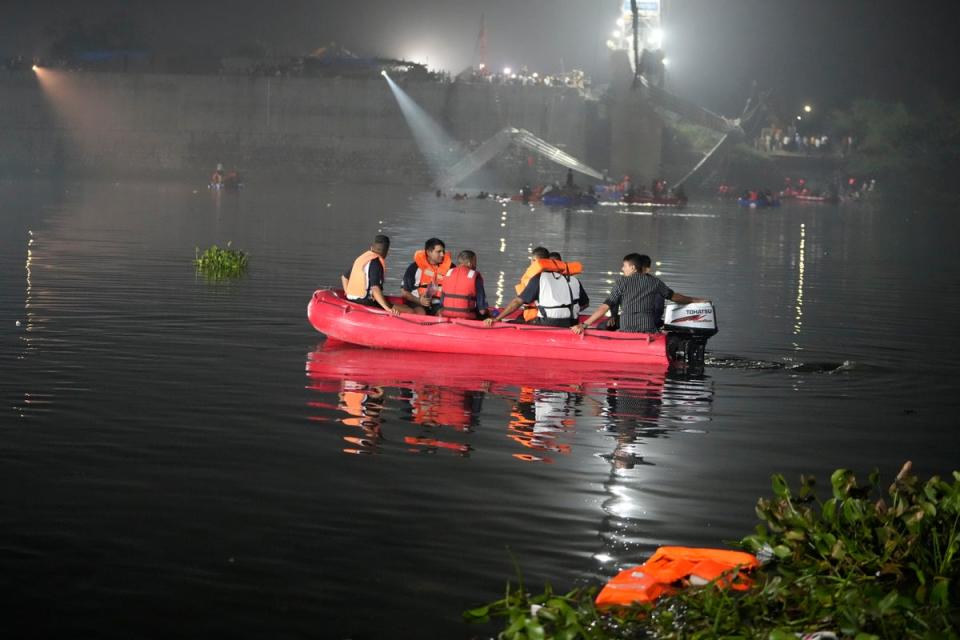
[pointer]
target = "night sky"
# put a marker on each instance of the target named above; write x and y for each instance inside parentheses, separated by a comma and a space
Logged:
(824, 52)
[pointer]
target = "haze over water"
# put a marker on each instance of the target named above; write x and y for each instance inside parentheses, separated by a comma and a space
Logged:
(182, 457)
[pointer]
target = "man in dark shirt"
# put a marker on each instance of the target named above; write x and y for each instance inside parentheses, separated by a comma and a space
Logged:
(637, 294)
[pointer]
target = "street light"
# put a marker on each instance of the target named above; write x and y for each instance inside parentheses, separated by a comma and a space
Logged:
(506, 71)
(799, 117)
(657, 37)
(807, 108)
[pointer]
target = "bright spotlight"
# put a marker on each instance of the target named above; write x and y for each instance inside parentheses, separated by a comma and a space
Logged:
(507, 71)
(383, 73)
(666, 62)
(657, 36)
(807, 108)
(799, 117)
(35, 68)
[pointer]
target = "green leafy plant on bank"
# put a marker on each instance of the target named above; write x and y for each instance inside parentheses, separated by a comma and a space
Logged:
(217, 263)
(860, 564)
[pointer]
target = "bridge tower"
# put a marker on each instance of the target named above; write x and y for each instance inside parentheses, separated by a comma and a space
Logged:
(636, 131)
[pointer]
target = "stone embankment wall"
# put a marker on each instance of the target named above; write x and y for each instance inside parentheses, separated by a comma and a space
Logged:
(325, 129)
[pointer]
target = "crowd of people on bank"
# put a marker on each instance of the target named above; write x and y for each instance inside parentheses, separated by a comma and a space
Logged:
(575, 78)
(791, 140)
(548, 293)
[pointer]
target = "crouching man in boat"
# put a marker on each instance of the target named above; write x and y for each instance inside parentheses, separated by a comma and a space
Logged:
(463, 294)
(363, 283)
(558, 294)
(639, 297)
(538, 254)
(423, 279)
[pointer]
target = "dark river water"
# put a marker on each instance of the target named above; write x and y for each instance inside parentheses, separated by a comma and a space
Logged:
(181, 457)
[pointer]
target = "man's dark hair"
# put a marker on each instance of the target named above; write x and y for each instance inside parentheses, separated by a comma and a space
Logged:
(555, 256)
(381, 244)
(638, 260)
(541, 253)
(466, 257)
(433, 242)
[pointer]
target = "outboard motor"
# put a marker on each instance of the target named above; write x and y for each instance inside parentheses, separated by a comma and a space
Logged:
(688, 327)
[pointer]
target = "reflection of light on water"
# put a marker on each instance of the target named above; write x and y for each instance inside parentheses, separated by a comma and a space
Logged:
(503, 245)
(499, 300)
(798, 320)
(622, 504)
(28, 322)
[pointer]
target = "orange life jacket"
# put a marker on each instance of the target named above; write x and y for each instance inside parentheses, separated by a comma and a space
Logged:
(673, 566)
(431, 274)
(459, 298)
(357, 285)
(539, 266)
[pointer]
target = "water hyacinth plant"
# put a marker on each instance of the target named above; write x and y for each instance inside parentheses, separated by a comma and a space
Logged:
(217, 263)
(858, 565)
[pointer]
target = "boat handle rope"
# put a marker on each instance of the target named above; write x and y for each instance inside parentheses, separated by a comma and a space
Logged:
(463, 323)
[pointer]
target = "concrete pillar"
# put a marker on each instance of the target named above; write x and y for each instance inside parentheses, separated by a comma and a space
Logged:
(636, 131)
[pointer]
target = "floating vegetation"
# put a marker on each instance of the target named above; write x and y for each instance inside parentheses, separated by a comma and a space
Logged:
(217, 263)
(859, 565)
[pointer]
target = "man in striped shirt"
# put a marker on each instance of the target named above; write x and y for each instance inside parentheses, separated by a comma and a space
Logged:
(638, 295)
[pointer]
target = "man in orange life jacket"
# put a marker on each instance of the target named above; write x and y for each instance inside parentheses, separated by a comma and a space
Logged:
(423, 279)
(538, 253)
(363, 283)
(463, 294)
(558, 294)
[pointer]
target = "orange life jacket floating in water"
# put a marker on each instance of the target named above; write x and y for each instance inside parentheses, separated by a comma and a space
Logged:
(539, 266)
(671, 568)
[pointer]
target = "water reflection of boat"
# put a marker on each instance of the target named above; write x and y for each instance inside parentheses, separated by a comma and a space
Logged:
(447, 399)
(334, 362)
(337, 318)
(810, 198)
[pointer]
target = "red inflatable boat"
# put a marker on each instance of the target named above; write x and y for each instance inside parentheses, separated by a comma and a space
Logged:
(331, 314)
